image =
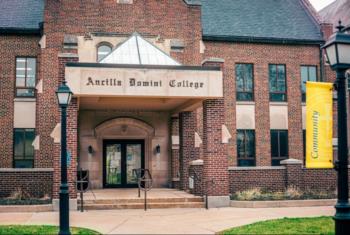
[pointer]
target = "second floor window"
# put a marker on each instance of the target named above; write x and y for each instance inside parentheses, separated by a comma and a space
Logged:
(244, 82)
(25, 76)
(103, 51)
(278, 83)
(246, 147)
(308, 74)
(23, 148)
(279, 146)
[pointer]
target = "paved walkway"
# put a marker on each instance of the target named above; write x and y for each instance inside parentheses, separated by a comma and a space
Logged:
(163, 221)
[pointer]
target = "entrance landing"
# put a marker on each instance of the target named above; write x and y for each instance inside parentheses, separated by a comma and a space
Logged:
(104, 199)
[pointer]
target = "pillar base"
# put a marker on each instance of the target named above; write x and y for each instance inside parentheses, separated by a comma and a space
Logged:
(73, 204)
(218, 201)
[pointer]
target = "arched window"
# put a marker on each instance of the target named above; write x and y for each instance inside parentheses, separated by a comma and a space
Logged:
(102, 51)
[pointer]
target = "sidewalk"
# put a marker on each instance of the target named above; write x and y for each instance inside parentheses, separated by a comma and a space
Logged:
(161, 221)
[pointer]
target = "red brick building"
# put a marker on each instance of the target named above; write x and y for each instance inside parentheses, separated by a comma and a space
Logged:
(205, 90)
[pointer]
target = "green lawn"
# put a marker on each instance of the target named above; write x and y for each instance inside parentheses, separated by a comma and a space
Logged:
(319, 225)
(32, 229)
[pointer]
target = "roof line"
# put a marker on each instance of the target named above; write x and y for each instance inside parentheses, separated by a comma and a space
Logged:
(140, 66)
(227, 38)
(18, 31)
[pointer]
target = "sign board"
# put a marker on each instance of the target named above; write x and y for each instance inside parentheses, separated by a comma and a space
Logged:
(144, 82)
(319, 125)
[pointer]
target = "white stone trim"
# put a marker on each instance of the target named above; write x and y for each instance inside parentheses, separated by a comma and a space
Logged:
(236, 168)
(291, 161)
(68, 55)
(213, 60)
(26, 169)
(226, 135)
(56, 133)
(197, 140)
(198, 162)
(36, 143)
(39, 86)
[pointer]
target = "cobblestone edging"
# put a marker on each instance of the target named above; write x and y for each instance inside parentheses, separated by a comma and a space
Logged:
(283, 203)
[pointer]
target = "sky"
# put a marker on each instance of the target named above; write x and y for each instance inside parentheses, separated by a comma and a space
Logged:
(319, 4)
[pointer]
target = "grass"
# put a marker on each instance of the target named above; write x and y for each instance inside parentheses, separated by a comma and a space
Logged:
(40, 229)
(318, 225)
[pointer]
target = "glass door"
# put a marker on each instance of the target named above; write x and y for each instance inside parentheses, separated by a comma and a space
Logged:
(121, 159)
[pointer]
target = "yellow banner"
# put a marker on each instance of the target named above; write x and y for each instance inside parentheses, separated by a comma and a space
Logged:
(319, 125)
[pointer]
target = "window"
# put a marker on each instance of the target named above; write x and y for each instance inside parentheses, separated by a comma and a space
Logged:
(25, 76)
(246, 147)
(23, 149)
(278, 85)
(279, 146)
(103, 51)
(308, 73)
(244, 82)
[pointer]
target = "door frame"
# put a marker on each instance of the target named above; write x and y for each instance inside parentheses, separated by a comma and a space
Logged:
(123, 143)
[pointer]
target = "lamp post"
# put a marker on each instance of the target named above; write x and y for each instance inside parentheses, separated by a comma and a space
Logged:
(64, 96)
(338, 53)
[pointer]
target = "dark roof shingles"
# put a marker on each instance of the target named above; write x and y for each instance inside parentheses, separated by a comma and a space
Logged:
(277, 19)
(21, 14)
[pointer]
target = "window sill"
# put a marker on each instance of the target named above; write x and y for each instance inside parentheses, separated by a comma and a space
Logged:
(245, 102)
(244, 168)
(284, 103)
(24, 99)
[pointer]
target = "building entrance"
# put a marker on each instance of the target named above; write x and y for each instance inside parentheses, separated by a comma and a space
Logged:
(120, 160)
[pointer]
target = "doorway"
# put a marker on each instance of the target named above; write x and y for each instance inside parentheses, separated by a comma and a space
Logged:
(120, 160)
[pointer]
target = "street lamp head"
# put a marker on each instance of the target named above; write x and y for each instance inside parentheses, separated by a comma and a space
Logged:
(338, 49)
(64, 95)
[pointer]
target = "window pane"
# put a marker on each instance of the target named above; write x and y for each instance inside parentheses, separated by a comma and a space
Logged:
(281, 82)
(248, 76)
(25, 92)
(246, 162)
(20, 72)
(18, 144)
(284, 143)
(304, 78)
(278, 97)
(250, 143)
(103, 51)
(31, 72)
(244, 96)
(312, 74)
(274, 143)
(239, 78)
(272, 77)
(23, 164)
(240, 144)
(29, 149)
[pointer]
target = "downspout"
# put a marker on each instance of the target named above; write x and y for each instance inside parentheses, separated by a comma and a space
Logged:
(322, 72)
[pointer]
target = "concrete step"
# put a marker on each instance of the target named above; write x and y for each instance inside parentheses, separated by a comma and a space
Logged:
(152, 205)
(141, 200)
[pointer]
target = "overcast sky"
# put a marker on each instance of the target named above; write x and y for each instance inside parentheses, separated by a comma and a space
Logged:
(319, 4)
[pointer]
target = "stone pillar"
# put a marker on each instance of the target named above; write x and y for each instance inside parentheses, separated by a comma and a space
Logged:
(215, 168)
(175, 152)
(294, 173)
(188, 153)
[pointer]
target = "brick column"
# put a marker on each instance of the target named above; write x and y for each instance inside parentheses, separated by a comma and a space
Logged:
(188, 153)
(294, 173)
(72, 144)
(175, 153)
(215, 168)
(262, 116)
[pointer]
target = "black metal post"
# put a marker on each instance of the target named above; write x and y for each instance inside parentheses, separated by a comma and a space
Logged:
(342, 215)
(64, 190)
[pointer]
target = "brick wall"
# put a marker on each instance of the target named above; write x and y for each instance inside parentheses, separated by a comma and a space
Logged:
(10, 47)
(175, 154)
(261, 55)
(34, 184)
